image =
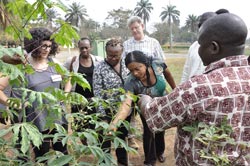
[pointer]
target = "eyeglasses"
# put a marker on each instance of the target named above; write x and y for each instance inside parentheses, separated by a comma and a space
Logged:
(45, 47)
(113, 56)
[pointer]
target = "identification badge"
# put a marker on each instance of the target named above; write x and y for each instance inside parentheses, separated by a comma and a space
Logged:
(56, 78)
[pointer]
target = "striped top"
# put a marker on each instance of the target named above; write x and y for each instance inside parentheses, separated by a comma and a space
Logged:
(149, 46)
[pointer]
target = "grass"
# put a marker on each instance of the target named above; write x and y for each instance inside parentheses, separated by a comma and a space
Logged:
(175, 65)
(176, 51)
(247, 51)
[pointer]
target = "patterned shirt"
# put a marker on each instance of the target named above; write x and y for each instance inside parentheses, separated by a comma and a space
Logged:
(149, 46)
(221, 92)
(106, 78)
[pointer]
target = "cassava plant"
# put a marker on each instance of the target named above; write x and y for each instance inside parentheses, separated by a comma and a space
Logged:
(212, 137)
(23, 134)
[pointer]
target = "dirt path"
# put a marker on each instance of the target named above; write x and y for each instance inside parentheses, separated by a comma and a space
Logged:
(137, 159)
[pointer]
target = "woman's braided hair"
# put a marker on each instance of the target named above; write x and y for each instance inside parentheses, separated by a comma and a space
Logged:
(113, 42)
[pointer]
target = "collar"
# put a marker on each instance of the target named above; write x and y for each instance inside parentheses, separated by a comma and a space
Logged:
(231, 61)
(144, 39)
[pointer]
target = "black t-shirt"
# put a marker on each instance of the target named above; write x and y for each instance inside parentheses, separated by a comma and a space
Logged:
(88, 75)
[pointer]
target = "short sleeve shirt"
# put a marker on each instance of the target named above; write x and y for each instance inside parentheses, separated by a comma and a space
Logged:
(39, 81)
(149, 46)
(136, 87)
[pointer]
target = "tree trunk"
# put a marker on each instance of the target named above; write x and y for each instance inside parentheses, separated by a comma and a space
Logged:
(170, 35)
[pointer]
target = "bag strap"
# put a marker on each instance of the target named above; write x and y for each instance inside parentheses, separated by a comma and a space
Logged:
(71, 64)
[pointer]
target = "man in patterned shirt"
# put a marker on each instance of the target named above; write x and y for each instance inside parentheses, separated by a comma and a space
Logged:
(220, 93)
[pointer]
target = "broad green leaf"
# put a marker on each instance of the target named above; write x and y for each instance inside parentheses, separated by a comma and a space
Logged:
(80, 80)
(25, 142)
(3, 132)
(28, 69)
(48, 96)
(119, 143)
(10, 51)
(48, 156)
(38, 9)
(24, 95)
(96, 151)
(59, 68)
(39, 99)
(58, 93)
(60, 128)
(32, 96)
(62, 160)
(89, 137)
(189, 128)
(76, 98)
(83, 163)
(56, 137)
(13, 72)
(26, 33)
(66, 34)
(34, 135)
(65, 140)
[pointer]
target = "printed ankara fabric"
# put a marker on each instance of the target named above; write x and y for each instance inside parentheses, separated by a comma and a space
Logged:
(223, 91)
(106, 82)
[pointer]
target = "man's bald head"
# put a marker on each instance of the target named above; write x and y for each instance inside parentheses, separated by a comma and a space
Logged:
(221, 36)
(204, 17)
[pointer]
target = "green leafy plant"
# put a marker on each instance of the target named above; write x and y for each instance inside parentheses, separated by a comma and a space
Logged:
(26, 133)
(212, 137)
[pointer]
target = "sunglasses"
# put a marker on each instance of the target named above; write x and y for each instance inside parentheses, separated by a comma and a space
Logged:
(45, 47)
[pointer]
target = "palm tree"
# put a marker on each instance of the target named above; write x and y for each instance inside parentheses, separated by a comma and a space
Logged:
(142, 9)
(75, 14)
(170, 13)
(51, 14)
(91, 24)
(119, 17)
(192, 24)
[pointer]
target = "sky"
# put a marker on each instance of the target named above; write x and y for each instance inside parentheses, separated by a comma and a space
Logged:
(98, 9)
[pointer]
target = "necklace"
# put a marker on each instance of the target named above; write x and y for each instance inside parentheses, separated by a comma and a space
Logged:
(40, 65)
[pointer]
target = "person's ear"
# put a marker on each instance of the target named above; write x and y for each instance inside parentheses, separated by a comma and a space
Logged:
(215, 48)
(143, 26)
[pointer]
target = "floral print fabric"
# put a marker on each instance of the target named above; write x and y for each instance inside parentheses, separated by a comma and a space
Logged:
(105, 79)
